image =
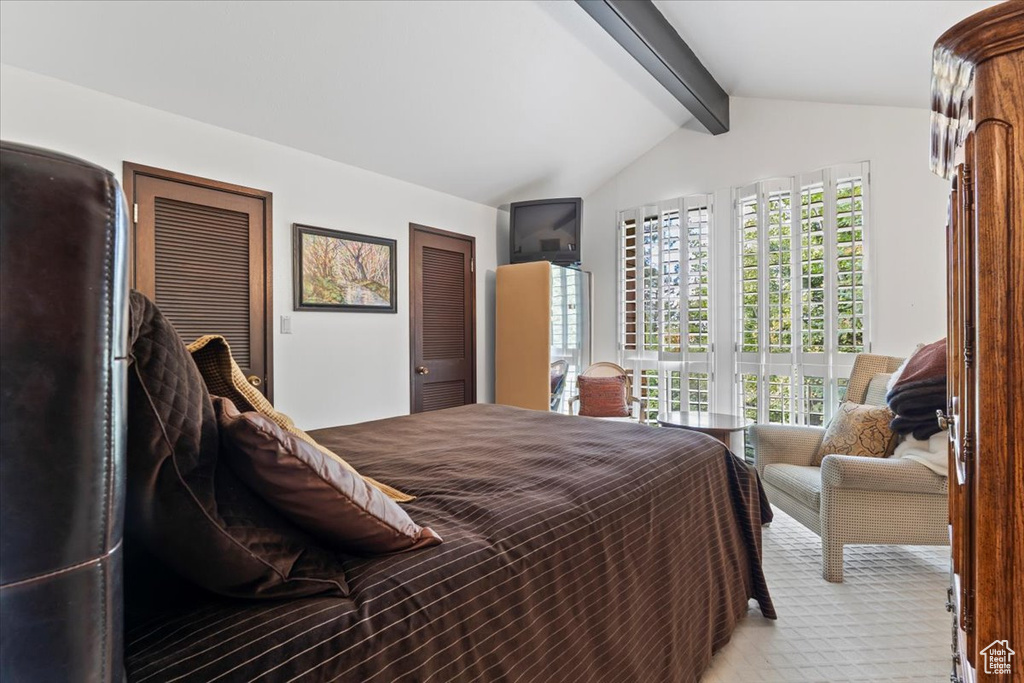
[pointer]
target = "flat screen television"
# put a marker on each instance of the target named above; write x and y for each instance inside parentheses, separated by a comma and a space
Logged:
(546, 230)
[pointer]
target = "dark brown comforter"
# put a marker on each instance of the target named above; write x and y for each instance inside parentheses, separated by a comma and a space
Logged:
(574, 549)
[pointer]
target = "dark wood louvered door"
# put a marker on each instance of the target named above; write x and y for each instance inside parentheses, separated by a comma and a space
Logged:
(442, 319)
(201, 251)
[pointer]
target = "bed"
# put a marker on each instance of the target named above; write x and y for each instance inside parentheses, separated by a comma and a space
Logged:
(574, 548)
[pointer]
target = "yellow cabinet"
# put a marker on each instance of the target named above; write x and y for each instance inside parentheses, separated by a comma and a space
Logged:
(542, 315)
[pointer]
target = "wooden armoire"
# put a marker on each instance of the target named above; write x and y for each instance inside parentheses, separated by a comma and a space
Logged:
(978, 144)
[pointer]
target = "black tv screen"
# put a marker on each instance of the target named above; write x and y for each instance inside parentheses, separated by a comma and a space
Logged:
(546, 230)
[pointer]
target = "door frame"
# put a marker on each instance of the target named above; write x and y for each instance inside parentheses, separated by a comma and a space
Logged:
(413, 325)
(131, 171)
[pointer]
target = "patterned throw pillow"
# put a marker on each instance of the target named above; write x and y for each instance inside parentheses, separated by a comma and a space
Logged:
(603, 396)
(858, 430)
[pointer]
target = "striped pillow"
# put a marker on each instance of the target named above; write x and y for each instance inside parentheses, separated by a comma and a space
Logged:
(603, 396)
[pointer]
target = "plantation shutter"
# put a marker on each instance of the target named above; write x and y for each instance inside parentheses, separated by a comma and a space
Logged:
(766, 357)
(801, 296)
(852, 330)
(802, 300)
(696, 374)
(665, 304)
(814, 242)
(628, 282)
(200, 256)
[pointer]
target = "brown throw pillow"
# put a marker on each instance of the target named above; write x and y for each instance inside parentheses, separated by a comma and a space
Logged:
(224, 378)
(858, 430)
(313, 490)
(603, 396)
(184, 504)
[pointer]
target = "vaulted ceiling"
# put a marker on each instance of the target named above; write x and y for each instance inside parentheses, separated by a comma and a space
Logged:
(489, 101)
(846, 51)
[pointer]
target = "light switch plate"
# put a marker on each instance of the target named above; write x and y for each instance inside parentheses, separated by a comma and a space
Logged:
(286, 324)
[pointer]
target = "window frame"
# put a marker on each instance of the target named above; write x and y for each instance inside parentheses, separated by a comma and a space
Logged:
(691, 370)
(831, 365)
(816, 379)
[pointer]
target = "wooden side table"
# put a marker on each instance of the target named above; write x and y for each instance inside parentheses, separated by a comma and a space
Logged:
(719, 425)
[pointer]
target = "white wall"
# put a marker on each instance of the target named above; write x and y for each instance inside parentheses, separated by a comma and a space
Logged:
(770, 138)
(335, 368)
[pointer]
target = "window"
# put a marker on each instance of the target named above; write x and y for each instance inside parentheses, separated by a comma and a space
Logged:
(569, 302)
(665, 339)
(801, 300)
(802, 303)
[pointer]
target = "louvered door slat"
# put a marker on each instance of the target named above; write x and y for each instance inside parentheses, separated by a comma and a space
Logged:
(442, 320)
(202, 253)
(202, 272)
(444, 311)
(438, 395)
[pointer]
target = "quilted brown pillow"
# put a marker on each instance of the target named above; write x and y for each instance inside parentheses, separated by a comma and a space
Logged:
(224, 378)
(603, 396)
(313, 490)
(858, 430)
(184, 504)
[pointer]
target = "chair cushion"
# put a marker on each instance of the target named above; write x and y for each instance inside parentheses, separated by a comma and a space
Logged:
(877, 389)
(313, 490)
(185, 505)
(800, 481)
(603, 396)
(858, 430)
(224, 378)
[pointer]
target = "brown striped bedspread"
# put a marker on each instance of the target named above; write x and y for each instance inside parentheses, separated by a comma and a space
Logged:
(574, 549)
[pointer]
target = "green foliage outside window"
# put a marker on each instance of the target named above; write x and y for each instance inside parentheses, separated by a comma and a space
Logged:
(808, 285)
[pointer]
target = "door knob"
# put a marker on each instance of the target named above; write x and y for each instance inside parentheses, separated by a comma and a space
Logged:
(422, 370)
(254, 380)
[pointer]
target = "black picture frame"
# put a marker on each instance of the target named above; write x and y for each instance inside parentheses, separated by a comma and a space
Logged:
(333, 288)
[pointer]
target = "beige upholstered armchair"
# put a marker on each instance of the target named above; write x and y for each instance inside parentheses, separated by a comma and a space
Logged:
(849, 499)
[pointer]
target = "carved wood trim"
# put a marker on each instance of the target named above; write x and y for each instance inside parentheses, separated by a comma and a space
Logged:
(990, 33)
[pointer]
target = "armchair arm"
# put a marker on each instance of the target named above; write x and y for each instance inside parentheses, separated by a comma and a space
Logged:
(790, 444)
(899, 475)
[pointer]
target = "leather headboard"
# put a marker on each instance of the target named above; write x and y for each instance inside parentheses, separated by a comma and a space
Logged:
(63, 234)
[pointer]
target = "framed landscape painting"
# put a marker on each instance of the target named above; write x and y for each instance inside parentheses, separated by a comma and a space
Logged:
(343, 271)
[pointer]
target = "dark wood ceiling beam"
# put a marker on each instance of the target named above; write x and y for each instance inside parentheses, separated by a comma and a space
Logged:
(638, 26)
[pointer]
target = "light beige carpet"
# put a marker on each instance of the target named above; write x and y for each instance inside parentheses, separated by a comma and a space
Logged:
(886, 622)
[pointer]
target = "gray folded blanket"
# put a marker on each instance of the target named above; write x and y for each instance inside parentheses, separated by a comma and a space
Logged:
(920, 427)
(915, 399)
